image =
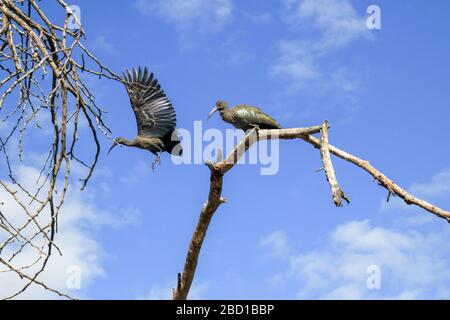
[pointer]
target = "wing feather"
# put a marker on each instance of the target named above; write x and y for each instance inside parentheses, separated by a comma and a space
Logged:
(155, 115)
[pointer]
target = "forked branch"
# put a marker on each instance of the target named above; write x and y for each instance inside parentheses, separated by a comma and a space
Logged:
(220, 168)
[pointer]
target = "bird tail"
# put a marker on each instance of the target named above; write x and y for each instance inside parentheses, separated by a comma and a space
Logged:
(172, 142)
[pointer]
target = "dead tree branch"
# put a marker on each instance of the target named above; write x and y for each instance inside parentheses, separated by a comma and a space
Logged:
(220, 168)
(42, 90)
(215, 198)
(382, 179)
(336, 190)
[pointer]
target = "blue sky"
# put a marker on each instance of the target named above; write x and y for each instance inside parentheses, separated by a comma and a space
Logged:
(385, 95)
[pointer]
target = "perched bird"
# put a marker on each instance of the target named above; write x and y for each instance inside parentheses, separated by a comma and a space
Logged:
(244, 117)
(155, 116)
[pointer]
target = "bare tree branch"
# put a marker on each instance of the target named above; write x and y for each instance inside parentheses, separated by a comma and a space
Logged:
(383, 180)
(222, 167)
(215, 198)
(39, 75)
(336, 190)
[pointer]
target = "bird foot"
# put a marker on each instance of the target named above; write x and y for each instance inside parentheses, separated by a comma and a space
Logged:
(255, 130)
(155, 162)
(255, 127)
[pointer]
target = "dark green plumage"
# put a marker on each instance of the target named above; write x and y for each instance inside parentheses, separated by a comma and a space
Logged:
(244, 116)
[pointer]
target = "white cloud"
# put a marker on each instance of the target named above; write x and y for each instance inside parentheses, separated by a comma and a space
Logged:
(337, 20)
(189, 15)
(337, 23)
(79, 218)
(296, 61)
(140, 169)
(413, 265)
(438, 186)
(103, 43)
(276, 242)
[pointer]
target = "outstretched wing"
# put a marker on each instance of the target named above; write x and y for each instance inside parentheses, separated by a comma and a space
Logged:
(155, 115)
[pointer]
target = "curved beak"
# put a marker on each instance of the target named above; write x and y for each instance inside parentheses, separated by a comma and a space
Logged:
(113, 145)
(214, 109)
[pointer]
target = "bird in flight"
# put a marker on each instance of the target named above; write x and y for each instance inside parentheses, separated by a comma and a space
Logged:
(244, 117)
(155, 116)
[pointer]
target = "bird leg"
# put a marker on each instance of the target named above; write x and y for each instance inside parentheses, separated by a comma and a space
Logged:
(155, 162)
(256, 129)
